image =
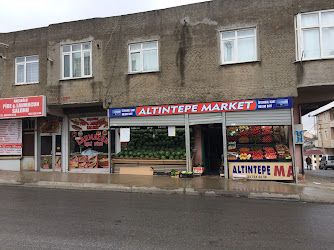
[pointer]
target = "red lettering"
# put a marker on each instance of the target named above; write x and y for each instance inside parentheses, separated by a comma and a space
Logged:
(279, 171)
(290, 172)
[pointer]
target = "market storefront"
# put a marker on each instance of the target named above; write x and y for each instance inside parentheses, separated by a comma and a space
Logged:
(18, 132)
(235, 138)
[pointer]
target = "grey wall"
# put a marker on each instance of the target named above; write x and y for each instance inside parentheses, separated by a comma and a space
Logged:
(190, 69)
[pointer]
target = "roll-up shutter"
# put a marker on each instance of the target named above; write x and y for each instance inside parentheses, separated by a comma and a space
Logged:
(208, 118)
(259, 117)
(162, 120)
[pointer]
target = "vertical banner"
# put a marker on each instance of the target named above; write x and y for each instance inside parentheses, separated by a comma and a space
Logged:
(298, 134)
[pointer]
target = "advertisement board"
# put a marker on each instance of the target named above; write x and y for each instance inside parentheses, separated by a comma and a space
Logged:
(196, 108)
(11, 137)
(88, 123)
(262, 170)
(20, 107)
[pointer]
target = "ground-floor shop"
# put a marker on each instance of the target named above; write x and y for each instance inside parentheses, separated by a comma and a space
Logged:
(252, 139)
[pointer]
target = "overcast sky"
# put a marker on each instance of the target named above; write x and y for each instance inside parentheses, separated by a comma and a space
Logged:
(27, 14)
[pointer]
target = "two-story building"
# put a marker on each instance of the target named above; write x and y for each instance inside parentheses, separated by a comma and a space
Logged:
(266, 61)
(324, 118)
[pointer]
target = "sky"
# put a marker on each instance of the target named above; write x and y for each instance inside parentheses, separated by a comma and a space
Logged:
(28, 14)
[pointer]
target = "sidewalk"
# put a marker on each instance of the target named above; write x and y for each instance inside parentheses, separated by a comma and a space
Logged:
(206, 185)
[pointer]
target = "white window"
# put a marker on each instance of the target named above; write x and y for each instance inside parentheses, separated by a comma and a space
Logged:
(143, 57)
(26, 70)
(326, 135)
(315, 35)
(325, 118)
(320, 136)
(238, 46)
(76, 60)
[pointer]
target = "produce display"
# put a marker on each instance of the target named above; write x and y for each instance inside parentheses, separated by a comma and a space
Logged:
(256, 143)
(155, 143)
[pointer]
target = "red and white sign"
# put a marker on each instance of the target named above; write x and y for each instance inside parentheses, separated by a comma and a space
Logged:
(11, 137)
(31, 106)
(88, 123)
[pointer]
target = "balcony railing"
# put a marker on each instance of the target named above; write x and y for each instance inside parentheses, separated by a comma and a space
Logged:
(331, 123)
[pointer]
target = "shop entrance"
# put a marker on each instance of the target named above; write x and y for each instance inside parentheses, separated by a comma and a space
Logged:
(51, 152)
(212, 147)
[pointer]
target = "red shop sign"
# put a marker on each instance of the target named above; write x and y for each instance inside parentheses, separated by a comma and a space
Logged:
(31, 106)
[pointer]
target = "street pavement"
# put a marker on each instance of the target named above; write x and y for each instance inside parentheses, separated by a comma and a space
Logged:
(309, 190)
(38, 218)
(329, 173)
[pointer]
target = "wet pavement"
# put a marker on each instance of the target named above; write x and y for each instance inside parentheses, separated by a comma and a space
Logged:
(204, 185)
(39, 218)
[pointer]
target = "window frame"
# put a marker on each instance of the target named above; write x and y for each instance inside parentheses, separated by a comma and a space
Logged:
(235, 51)
(300, 38)
(140, 51)
(326, 135)
(70, 53)
(25, 70)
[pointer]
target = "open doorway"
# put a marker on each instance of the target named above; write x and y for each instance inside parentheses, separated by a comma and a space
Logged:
(212, 147)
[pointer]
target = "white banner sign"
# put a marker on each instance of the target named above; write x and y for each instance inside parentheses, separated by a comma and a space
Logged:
(11, 137)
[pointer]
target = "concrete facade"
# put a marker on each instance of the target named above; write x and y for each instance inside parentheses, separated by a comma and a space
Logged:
(190, 69)
(189, 56)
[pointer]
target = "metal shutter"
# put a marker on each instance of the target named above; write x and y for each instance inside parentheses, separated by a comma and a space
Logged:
(162, 120)
(207, 118)
(259, 117)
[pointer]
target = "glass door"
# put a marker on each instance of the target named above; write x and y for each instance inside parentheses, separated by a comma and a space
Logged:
(46, 152)
(51, 152)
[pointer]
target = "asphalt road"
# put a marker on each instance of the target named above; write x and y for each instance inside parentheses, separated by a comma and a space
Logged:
(329, 173)
(35, 218)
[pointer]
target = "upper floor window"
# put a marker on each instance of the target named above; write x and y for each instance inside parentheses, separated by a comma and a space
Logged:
(315, 35)
(238, 46)
(143, 57)
(77, 60)
(27, 69)
(325, 117)
(326, 135)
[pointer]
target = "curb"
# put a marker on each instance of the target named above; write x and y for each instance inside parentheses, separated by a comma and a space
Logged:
(157, 190)
(272, 196)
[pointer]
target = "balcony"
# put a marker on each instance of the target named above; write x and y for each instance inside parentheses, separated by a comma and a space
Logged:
(331, 123)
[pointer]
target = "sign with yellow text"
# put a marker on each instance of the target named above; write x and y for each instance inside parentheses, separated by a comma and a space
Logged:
(262, 170)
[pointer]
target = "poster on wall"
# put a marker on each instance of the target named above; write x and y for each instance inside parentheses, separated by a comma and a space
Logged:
(11, 137)
(88, 123)
(50, 125)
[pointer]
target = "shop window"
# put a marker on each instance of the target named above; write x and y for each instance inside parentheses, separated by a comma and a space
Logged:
(27, 70)
(256, 150)
(143, 57)
(314, 35)
(89, 149)
(238, 46)
(28, 125)
(76, 60)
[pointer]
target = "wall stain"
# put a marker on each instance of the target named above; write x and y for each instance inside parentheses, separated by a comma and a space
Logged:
(182, 51)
